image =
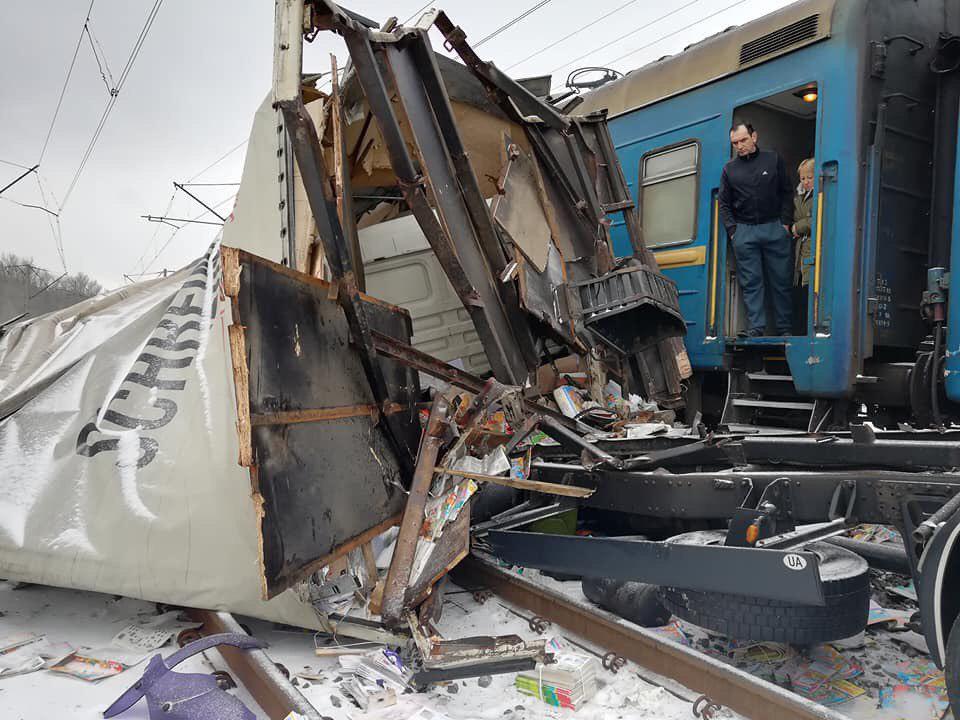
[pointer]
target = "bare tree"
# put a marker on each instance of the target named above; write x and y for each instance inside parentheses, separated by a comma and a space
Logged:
(26, 287)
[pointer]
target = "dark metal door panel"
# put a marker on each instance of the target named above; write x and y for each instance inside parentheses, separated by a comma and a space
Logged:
(903, 223)
(322, 464)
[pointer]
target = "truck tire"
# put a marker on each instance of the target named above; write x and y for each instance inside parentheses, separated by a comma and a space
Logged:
(846, 587)
(634, 601)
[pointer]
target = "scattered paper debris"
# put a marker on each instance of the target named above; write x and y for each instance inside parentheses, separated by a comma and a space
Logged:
(21, 655)
(644, 430)
(569, 682)
(871, 532)
(908, 591)
(89, 665)
(887, 616)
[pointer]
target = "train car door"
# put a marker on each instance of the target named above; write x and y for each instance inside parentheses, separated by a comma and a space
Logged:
(786, 122)
(671, 173)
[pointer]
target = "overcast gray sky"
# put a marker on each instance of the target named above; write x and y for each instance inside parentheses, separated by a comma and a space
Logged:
(203, 70)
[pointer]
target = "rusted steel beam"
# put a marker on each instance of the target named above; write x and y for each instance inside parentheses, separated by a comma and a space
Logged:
(476, 292)
(350, 545)
(561, 425)
(560, 432)
(309, 155)
(472, 195)
(727, 685)
(534, 485)
(341, 177)
(504, 88)
(255, 671)
(398, 576)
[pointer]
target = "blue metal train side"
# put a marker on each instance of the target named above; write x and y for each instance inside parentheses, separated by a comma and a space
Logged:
(951, 361)
(827, 361)
(821, 362)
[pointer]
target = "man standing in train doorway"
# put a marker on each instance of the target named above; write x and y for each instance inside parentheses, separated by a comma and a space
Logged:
(756, 208)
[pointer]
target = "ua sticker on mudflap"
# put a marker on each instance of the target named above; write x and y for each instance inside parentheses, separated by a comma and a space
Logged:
(846, 589)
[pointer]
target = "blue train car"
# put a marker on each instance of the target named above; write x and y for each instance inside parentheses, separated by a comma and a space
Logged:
(868, 89)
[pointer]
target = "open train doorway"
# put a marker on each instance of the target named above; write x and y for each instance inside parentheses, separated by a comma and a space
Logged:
(787, 123)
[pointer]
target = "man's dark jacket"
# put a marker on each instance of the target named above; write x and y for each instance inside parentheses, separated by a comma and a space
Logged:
(755, 189)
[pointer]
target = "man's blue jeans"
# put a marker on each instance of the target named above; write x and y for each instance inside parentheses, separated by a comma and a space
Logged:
(764, 256)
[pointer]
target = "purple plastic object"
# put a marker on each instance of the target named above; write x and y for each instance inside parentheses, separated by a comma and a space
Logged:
(186, 696)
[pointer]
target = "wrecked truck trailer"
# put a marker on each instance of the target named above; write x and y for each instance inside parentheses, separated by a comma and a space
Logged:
(285, 406)
(526, 247)
(557, 183)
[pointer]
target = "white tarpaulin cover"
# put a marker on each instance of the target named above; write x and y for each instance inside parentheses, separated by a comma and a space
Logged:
(118, 451)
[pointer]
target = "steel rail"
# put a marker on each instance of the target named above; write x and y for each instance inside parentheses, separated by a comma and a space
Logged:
(729, 686)
(259, 675)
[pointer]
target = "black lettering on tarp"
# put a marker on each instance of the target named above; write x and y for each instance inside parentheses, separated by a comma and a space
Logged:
(170, 341)
(169, 408)
(185, 308)
(149, 377)
(148, 446)
(165, 339)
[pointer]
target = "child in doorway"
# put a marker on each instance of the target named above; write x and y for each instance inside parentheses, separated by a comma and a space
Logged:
(802, 228)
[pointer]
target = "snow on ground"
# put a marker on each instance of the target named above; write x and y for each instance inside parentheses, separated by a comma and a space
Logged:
(92, 619)
(891, 667)
(81, 619)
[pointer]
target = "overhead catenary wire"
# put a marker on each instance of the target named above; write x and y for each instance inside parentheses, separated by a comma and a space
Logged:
(156, 233)
(114, 95)
(28, 205)
(66, 82)
(56, 231)
(14, 164)
(510, 23)
(575, 32)
(191, 184)
(627, 34)
(415, 13)
(102, 65)
(216, 162)
(173, 234)
(676, 32)
(103, 54)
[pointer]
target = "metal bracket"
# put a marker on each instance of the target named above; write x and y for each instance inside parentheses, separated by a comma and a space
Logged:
(916, 45)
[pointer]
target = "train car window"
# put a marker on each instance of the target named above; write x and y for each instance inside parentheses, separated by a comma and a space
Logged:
(668, 194)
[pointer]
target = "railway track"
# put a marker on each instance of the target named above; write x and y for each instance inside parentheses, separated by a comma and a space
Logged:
(745, 694)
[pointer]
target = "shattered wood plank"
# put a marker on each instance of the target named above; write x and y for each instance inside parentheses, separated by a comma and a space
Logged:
(230, 259)
(241, 383)
(370, 565)
(341, 177)
(398, 576)
(534, 485)
(351, 545)
(451, 547)
(292, 417)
